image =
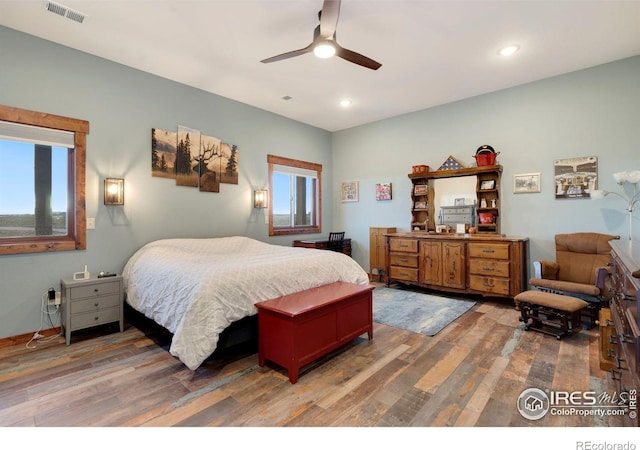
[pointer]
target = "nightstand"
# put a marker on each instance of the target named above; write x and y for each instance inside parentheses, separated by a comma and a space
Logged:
(91, 302)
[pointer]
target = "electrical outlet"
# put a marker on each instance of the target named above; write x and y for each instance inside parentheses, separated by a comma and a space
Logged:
(55, 301)
(91, 223)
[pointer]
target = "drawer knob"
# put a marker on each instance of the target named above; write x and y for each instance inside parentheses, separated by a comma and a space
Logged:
(96, 290)
(96, 304)
(96, 318)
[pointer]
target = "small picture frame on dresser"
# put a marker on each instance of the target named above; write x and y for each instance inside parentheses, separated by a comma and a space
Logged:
(458, 202)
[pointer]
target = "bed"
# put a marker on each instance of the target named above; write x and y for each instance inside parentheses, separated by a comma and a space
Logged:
(196, 288)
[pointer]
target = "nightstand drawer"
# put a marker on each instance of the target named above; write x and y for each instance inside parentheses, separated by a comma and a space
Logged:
(93, 304)
(90, 319)
(94, 290)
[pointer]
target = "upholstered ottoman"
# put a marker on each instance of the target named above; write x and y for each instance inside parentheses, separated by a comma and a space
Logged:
(545, 312)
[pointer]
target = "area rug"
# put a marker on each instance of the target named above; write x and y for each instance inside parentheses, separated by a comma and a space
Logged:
(415, 311)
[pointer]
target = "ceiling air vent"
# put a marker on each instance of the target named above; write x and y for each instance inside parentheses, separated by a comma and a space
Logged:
(63, 11)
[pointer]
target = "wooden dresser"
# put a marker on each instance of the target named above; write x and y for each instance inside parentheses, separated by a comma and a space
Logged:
(485, 264)
(625, 373)
(377, 251)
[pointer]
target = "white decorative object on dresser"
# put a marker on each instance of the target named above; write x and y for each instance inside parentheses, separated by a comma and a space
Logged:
(91, 302)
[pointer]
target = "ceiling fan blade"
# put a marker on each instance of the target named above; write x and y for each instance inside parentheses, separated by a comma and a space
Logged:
(329, 18)
(287, 55)
(357, 58)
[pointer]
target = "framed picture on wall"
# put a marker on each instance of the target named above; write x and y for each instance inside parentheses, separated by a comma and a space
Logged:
(576, 177)
(526, 183)
(383, 191)
(350, 191)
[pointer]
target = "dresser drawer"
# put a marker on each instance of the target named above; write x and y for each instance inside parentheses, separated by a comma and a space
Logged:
(403, 245)
(487, 250)
(95, 289)
(95, 318)
(490, 285)
(494, 268)
(403, 259)
(403, 273)
(92, 304)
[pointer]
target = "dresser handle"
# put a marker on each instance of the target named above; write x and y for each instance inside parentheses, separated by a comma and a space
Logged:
(613, 375)
(488, 250)
(618, 361)
(96, 304)
(611, 353)
(612, 339)
(488, 269)
(96, 318)
(96, 290)
(403, 260)
(488, 284)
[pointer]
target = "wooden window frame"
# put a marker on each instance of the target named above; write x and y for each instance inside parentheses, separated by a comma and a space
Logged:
(278, 231)
(75, 239)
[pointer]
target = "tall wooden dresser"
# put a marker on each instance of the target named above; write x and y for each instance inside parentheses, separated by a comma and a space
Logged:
(625, 373)
(377, 252)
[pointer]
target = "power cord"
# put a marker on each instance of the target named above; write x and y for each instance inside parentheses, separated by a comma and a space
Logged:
(45, 308)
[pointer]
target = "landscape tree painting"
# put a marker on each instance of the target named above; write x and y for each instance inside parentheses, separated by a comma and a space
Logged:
(229, 163)
(163, 153)
(187, 157)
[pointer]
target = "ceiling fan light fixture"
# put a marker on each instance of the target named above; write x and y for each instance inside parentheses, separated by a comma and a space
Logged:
(324, 50)
(508, 50)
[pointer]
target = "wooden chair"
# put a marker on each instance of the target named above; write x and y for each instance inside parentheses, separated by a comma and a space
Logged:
(336, 241)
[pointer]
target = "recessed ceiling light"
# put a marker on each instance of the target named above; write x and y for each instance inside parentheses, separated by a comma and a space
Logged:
(509, 50)
(345, 103)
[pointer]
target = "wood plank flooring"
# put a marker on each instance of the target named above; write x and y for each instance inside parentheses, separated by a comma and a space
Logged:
(468, 375)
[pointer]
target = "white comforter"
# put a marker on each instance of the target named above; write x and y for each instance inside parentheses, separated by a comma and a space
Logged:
(196, 287)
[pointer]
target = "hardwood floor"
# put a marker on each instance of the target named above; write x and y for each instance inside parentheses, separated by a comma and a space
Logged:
(468, 375)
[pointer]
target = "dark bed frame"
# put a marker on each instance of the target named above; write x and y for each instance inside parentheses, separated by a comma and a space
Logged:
(238, 339)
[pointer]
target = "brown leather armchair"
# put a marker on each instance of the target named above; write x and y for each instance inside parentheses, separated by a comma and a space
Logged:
(581, 269)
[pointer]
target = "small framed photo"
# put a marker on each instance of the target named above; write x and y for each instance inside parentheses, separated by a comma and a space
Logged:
(420, 205)
(526, 183)
(350, 191)
(458, 202)
(421, 189)
(383, 191)
(486, 185)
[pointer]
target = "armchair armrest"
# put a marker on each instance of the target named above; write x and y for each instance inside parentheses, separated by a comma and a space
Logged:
(547, 270)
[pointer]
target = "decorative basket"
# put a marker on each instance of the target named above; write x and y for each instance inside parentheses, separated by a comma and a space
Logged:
(420, 169)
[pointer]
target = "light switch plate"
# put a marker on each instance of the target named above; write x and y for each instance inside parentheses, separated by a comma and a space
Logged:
(91, 223)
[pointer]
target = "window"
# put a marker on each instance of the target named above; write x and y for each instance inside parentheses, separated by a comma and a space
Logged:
(294, 189)
(42, 182)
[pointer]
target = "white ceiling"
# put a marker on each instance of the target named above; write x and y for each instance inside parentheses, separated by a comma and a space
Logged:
(432, 52)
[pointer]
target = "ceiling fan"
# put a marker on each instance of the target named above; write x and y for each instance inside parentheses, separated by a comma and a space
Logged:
(324, 44)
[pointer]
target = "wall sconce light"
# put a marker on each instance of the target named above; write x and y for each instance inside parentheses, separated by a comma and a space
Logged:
(114, 191)
(260, 198)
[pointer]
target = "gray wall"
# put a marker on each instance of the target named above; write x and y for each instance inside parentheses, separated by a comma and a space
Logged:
(593, 112)
(122, 106)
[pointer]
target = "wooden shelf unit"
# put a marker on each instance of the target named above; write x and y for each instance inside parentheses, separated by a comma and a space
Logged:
(424, 219)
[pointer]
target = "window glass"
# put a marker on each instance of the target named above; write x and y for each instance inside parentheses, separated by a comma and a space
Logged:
(294, 206)
(19, 190)
(42, 182)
